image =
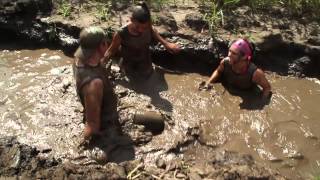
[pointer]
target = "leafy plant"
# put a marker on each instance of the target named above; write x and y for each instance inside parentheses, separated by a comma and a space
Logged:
(155, 19)
(103, 11)
(215, 16)
(64, 8)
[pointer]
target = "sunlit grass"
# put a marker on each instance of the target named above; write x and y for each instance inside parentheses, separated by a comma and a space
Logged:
(64, 8)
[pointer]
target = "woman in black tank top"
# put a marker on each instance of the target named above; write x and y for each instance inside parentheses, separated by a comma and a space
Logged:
(238, 70)
(133, 41)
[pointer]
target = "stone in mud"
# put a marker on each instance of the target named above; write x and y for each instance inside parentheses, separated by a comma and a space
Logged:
(227, 158)
(300, 67)
(195, 21)
(26, 7)
(14, 158)
(313, 51)
(295, 155)
(181, 176)
(118, 170)
(119, 5)
(165, 18)
(314, 40)
(161, 163)
(194, 176)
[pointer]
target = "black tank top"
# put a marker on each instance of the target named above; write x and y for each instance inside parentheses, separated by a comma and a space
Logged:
(135, 50)
(85, 74)
(241, 81)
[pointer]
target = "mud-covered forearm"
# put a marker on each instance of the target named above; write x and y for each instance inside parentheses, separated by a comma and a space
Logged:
(260, 79)
(159, 38)
(113, 48)
(214, 77)
(216, 74)
(171, 47)
(266, 92)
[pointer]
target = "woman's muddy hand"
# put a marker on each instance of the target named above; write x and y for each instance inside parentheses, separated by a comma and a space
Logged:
(205, 86)
(173, 48)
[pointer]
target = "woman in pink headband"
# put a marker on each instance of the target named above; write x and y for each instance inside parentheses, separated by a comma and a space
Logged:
(238, 71)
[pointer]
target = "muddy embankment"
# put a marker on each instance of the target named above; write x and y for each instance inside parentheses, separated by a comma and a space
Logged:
(284, 46)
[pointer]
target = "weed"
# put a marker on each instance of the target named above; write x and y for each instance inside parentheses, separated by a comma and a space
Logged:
(64, 8)
(103, 11)
(215, 16)
(155, 19)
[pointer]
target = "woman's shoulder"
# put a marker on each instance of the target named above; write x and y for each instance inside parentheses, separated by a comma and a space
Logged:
(123, 30)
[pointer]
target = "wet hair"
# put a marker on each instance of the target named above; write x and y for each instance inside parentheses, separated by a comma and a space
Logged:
(141, 13)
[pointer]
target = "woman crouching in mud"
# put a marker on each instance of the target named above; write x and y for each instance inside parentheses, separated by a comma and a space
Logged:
(238, 71)
(93, 87)
(133, 41)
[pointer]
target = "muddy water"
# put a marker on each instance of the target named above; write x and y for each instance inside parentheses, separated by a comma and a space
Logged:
(34, 103)
(38, 105)
(283, 134)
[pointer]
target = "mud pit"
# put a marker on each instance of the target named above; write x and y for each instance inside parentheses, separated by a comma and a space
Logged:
(39, 107)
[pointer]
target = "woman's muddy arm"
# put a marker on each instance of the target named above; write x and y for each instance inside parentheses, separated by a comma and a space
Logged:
(92, 93)
(171, 47)
(216, 74)
(207, 85)
(114, 47)
(260, 79)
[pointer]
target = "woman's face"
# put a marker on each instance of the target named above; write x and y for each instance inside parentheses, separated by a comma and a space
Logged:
(234, 55)
(140, 28)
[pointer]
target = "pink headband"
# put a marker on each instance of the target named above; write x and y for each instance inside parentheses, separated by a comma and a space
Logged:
(244, 47)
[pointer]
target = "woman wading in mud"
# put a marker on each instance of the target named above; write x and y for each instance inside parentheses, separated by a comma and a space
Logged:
(238, 71)
(93, 87)
(133, 41)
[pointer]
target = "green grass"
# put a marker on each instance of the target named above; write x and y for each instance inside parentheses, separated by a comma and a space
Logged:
(215, 16)
(64, 8)
(103, 12)
(217, 8)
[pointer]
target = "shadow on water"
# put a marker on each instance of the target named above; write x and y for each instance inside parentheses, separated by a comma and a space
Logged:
(251, 98)
(152, 87)
(112, 145)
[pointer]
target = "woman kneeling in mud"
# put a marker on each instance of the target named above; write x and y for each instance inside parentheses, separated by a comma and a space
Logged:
(93, 87)
(133, 41)
(238, 71)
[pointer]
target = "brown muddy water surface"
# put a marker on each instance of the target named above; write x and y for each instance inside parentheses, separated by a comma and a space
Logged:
(38, 104)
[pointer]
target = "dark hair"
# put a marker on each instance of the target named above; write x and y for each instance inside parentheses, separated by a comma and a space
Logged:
(141, 13)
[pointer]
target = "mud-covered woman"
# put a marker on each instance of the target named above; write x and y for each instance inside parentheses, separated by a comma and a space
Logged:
(93, 87)
(132, 42)
(238, 71)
